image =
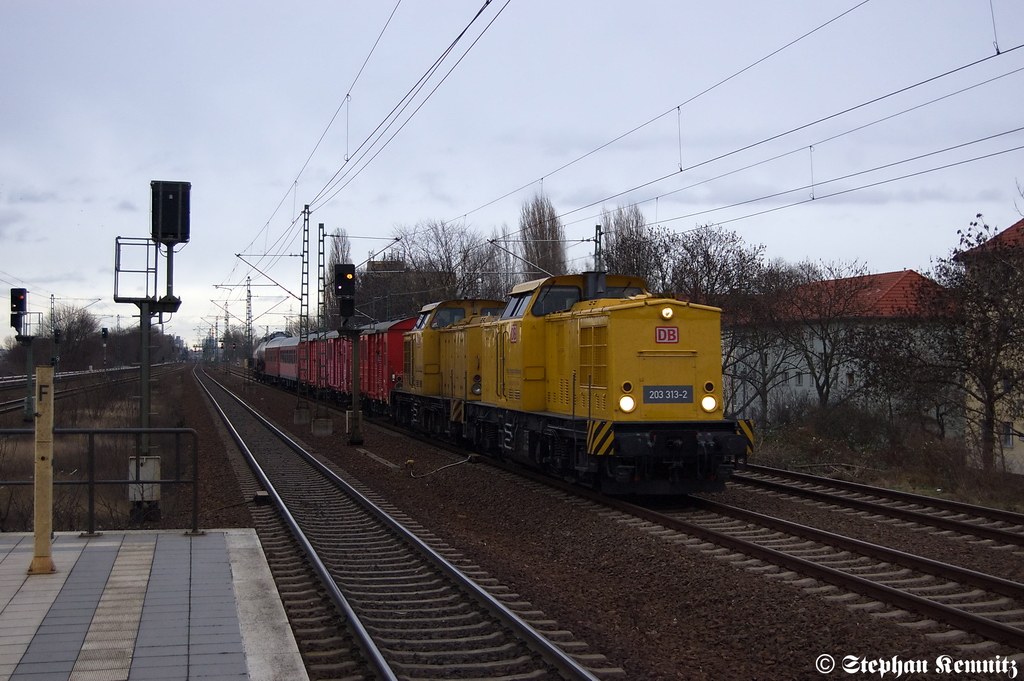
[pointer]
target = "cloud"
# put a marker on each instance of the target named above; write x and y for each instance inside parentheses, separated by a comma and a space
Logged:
(8, 219)
(32, 196)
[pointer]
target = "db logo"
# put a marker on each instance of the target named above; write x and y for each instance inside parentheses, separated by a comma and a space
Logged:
(513, 333)
(666, 334)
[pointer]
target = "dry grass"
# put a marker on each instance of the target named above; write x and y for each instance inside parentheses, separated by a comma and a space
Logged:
(912, 462)
(112, 406)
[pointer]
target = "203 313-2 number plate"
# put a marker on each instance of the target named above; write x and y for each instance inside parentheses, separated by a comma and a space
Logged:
(668, 394)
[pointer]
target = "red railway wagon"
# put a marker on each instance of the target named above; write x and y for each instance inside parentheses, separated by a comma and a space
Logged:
(280, 357)
(381, 360)
(316, 353)
(339, 368)
(287, 361)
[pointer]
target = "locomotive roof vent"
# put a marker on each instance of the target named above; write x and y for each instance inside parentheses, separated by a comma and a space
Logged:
(594, 285)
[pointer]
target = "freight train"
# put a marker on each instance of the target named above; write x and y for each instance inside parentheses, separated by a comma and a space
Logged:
(585, 377)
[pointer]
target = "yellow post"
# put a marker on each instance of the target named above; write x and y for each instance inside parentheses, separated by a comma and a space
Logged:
(42, 563)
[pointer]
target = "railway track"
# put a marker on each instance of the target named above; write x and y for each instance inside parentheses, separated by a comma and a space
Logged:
(1001, 527)
(398, 605)
(941, 601)
(72, 386)
(917, 592)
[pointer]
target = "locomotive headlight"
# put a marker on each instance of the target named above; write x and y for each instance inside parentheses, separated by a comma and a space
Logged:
(708, 403)
(627, 403)
(666, 313)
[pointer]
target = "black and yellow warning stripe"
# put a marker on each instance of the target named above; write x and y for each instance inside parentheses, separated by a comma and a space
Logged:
(600, 438)
(745, 427)
(458, 411)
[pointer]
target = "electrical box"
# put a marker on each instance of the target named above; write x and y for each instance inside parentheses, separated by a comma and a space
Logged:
(147, 468)
(171, 211)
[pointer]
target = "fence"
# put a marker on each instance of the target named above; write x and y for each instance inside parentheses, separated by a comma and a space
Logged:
(141, 435)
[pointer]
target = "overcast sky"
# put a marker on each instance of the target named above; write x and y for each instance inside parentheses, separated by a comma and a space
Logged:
(738, 113)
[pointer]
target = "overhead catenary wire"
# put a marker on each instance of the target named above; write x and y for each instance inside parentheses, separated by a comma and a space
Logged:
(821, 197)
(335, 185)
(678, 107)
(368, 144)
(802, 127)
(346, 98)
(781, 155)
(804, 147)
(340, 180)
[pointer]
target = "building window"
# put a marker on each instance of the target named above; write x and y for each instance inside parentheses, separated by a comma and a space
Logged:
(785, 378)
(1007, 435)
(799, 378)
(849, 378)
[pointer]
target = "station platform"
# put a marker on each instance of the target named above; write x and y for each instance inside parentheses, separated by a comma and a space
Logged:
(143, 605)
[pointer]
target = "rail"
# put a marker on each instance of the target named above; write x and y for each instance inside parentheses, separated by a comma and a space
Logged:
(91, 482)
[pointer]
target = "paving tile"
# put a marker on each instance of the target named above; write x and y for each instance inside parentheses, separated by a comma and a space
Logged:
(171, 673)
(43, 676)
(125, 606)
(38, 654)
(52, 666)
(164, 651)
(159, 641)
(221, 645)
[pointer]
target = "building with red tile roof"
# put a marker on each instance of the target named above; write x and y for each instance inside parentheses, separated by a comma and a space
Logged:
(891, 294)
(1012, 237)
(812, 360)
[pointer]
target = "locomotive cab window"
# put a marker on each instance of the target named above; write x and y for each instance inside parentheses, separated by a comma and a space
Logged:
(623, 291)
(446, 316)
(556, 299)
(422, 321)
(517, 306)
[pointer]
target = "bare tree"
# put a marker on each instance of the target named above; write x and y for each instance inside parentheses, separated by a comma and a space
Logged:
(901, 377)
(634, 248)
(710, 264)
(756, 359)
(79, 336)
(978, 329)
(431, 261)
(821, 327)
(543, 238)
(449, 254)
(500, 268)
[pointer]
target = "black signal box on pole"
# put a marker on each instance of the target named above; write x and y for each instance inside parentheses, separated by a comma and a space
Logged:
(171, 211)
(345, 280)
(19, 299)
(19, 305)
(345, 288)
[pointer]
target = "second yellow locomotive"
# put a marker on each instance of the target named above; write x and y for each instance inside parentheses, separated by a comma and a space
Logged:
(587, 377)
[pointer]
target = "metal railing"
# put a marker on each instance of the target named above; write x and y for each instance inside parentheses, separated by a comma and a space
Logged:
(91, 482)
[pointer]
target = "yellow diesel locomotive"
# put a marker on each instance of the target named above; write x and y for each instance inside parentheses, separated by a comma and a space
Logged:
(586, 377)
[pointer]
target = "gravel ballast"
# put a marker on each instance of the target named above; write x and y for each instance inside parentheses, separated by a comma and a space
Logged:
(654, 607)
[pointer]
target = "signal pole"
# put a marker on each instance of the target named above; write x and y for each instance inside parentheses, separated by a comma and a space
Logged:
(345, 291)
(170, 226)
(21, 320)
